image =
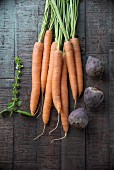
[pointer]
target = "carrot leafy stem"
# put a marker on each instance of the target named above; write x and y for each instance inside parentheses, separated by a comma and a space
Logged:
(58, 16)
(74, 4)
(44, 21)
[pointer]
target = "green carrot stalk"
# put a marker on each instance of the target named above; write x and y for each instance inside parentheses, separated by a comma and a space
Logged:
(74, 4)
(58, 16)
(44, 21)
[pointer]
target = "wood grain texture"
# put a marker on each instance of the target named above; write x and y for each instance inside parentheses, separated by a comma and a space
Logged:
(6, 132)
(5, 166)
(111, 109)
(25, 128)
(6, 83)
(111, 85)
(97, 132)
(7, 12)
(7, 23)
(25, 166)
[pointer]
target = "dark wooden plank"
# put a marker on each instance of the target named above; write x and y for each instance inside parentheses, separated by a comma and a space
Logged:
(111, 85)
(24, 166)
(111, 108)
(97, 132)
(7, 15)
(25, 128)
(41, 7)
(6, 132)
(111, 25)
(73, 147)
(6, 83)
(97, 39)
(5, 166)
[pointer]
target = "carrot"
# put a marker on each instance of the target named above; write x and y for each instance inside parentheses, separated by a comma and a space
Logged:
(36, 72)
(56, 83)
(56, 80)
(78, 64)
(64, 97)
(37, 62)
(48, 93)
(75, 42)
(45, 61)
(64, 100)
(57, 68)
(71, 68)
(68, 51)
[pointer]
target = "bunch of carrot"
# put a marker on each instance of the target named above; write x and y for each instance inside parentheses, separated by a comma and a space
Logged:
(53, 60)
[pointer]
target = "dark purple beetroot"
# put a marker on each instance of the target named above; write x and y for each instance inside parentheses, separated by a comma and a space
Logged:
(78, 118)
(94, 67)
(93, 97)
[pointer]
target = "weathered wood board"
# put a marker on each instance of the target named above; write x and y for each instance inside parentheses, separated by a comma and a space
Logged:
(89, 149)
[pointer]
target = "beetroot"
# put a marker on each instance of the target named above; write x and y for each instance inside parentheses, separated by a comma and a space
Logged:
(78, 118)
(94, 67)
(93, 97)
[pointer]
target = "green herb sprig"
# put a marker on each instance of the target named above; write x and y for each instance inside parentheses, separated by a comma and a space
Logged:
(16, 102)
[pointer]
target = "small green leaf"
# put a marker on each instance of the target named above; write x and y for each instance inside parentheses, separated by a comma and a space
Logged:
(10, 104)
(21, 66)
(14, 109)
(19, 103)
(16, 85)
(17, 59)
(15, 92)
(17, 79)
(15, 99)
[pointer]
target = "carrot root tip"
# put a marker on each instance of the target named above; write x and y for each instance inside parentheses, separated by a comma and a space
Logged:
(59, 138)
(56, 125)
(39, 115)
(37, 109)
(75, 104)
(41, 133)
(59, 110)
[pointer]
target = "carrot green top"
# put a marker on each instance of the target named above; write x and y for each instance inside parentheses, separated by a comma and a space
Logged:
(44, 21)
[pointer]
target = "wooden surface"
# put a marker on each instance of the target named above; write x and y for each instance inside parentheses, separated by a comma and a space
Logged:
(89, 149)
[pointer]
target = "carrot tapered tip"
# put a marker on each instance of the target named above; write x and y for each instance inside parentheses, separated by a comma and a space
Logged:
(75, 104)
(59, 138)
(56, 125)
(41, 133)
(59, 110)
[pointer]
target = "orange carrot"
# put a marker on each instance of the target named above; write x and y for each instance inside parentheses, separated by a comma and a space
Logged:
(78, 64)
(48, 93)
(71, 68)
(64, 97)
(56, 80)
(45, 61)
(36, 73)
(56, 83)
(64, 101)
